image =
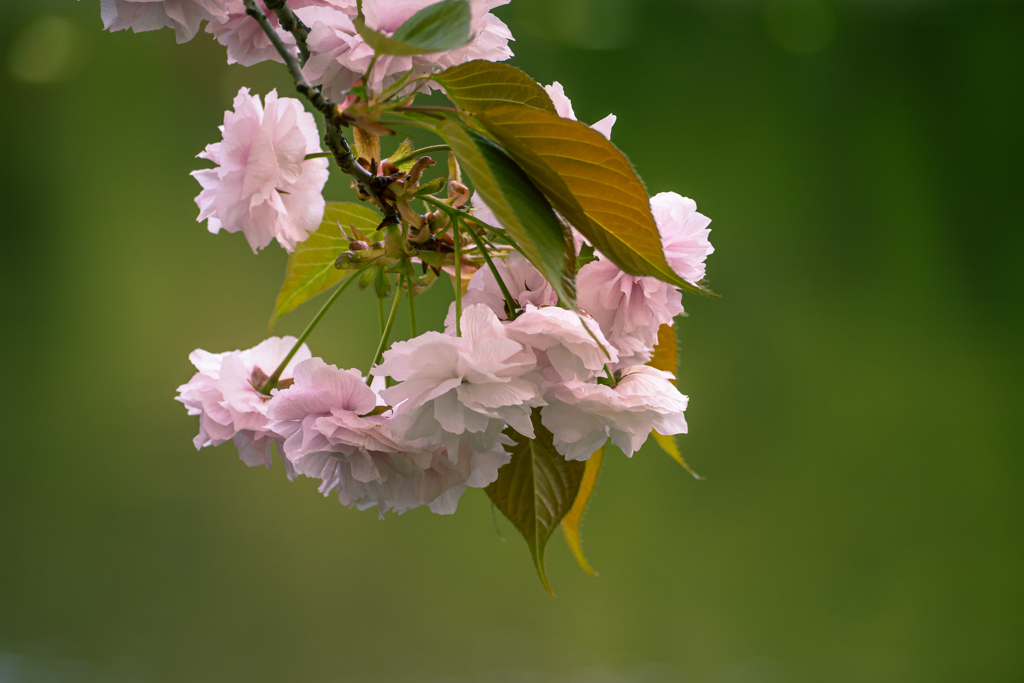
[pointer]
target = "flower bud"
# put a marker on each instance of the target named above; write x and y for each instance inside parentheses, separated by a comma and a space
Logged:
(358, 245)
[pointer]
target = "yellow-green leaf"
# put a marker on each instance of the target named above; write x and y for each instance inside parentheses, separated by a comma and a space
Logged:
(518, 204)
(442, 26)
(480, 85)
(589, 182)
(666, 351)
(536, 489)
(310, 269)
(665, 358)
(670, 445)
(404, 151)
(571, 522)
(367, 144)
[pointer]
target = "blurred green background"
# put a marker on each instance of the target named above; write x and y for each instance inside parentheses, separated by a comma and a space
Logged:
(855, 393)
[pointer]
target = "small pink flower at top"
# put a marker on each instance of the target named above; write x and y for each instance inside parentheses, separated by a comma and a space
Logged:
(224, 394)
(340, 57)
(245, 40)
(184, 16)
(263, 185)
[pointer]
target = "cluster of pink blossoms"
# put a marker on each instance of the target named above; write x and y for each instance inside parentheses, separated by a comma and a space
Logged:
(338, 55)
(441, 427)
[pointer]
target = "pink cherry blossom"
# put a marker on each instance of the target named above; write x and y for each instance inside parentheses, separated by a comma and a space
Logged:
(263, 186)
(629, 309)
(563, 106)
(524, 282)
(184, 16)
(562, 343)
(582, 415)
(684, 234)
(228, 404)
(245, 40)
(462, 390)
(340, 57)
(331, 437)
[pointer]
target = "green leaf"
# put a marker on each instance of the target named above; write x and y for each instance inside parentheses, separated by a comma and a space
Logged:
(480, 85)
(310, 269)
(518, 204)
(587, 255)
(404, 151)
(589, 182)
(571, 523)
(442, 26)
(536, 489)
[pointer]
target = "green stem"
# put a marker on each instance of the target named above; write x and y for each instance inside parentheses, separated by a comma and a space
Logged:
(456, 238)
(470, 217)
(273, 379)
(319, 155)
(454, 214)
(412, 303)
(416, 153)
(387, 331)
(510, 303)
(369, 71)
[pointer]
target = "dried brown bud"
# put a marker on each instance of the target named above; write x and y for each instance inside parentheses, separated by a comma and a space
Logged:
(358, 245)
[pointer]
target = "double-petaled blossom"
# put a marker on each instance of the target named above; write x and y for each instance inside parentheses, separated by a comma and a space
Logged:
(184, 16)
(340, 57)
(462, 391)
(582, 415)
(263, 185)
(629, 309)
(563, 106)
(332, 435)
(225, 394)
(560, 339)
(684, 234)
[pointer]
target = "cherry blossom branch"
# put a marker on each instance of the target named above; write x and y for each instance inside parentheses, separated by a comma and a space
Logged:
(336, 142)
(290, 22)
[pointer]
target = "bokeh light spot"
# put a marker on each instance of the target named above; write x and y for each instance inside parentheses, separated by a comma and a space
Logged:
(47, 50)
